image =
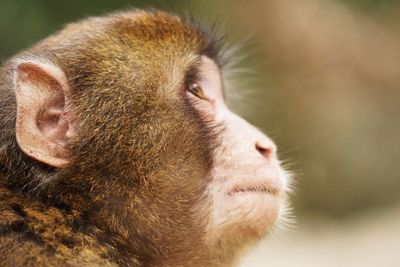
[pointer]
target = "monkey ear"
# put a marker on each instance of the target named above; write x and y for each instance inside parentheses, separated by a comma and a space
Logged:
(43, 125)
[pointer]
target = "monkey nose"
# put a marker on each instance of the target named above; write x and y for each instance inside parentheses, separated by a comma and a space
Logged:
(266, 149)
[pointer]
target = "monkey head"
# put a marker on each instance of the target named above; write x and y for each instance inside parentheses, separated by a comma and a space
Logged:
(122, 118)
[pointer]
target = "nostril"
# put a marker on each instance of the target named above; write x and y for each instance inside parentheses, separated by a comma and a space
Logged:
(266, 151)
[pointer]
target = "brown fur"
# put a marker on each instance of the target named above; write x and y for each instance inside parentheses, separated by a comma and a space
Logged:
(139, 163)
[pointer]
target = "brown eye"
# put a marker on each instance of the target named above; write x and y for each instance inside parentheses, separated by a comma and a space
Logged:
(196, 90)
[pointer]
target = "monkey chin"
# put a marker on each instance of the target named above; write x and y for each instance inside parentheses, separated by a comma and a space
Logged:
(257, 211)
(244, 214)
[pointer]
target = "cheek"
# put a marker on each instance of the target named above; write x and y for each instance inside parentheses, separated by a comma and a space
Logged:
(213, 111)
(247, 189)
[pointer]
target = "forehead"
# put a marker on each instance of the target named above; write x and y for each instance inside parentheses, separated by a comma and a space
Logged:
(158, 45)
(156, 40)
(162, 27)
(159, 31)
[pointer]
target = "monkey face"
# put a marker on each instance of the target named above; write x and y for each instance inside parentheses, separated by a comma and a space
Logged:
(248, 185)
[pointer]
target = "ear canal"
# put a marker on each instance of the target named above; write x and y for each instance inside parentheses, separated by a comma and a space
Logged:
(44, 125)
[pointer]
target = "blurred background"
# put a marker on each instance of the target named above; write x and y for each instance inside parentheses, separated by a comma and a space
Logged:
(323, 80)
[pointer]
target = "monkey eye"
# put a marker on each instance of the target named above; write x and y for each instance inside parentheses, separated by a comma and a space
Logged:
(197, 91)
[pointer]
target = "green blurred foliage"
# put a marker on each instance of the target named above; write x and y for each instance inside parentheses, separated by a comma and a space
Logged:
(372, 5)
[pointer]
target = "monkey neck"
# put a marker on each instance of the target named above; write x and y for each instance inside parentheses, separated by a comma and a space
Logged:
(128, 229)
(102, 215)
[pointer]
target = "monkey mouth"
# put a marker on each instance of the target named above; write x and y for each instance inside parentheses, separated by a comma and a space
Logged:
(255, 188)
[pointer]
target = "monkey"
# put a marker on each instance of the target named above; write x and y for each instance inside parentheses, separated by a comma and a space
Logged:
(117, 149)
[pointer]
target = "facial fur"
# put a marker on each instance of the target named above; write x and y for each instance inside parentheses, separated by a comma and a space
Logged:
(134, 160)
